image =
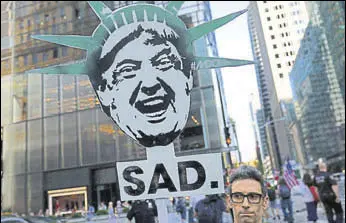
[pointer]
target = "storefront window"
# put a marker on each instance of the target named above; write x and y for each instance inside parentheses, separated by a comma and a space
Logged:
(34, 192)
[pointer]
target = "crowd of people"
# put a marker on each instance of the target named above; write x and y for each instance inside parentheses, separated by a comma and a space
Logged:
(250, 199)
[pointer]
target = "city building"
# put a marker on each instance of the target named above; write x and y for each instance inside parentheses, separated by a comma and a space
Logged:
(332, 15)
(59, 148)
(318, 95)
(267, 167)
(276, 28)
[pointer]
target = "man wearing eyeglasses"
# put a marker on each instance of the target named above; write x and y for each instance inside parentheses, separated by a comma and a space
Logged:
(248, 193)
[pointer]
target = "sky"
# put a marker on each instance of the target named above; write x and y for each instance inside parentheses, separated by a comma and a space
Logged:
(233, 41)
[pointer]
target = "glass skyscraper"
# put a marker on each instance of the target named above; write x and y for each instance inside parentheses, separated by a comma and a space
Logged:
(316, 90)
(59, 148)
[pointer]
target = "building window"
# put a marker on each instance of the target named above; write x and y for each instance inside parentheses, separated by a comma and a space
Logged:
(25, 60)
(37, 19)
(268, 19)
(280, 26)
(29, 22)
(21, 25)
(281, 75)
(275, 46)
(286, 53)
(286, 33)
(45, 56)
(278, 16)
(46, 17)
(285, 45)
(76, 13)
(264, 1)
(54, 28)
(55, 53)
(28, 37)
(276, 55)
(282, 35)
(64, 51)
(21, 39)
(291, 52)
(278, 65)
(62, 12)
(272, 36)
(289, 63)
(289, 43)
(34, 58)
(270, 28)
(284, 24)
(266, 10)
(276, 7)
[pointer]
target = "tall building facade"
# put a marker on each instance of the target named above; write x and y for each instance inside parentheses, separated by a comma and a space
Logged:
(314, 80)
(275, 30)
(59, 147)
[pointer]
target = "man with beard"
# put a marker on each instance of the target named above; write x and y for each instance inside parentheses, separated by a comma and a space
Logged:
(248, 195)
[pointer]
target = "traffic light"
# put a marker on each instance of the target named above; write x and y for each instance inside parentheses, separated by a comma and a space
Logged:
(228, 136)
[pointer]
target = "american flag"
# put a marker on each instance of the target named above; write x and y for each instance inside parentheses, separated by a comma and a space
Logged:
(289, 176)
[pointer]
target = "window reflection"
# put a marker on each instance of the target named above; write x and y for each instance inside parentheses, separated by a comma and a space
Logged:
(34, 96)
(35, 146)
(51, 95)
(88, 136)
(68, 93)
(19, 97)
(51, 143)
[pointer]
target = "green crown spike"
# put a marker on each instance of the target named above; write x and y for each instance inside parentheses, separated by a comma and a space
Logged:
(199, 31)
(101, 10)
(217, 62)
(112, 21)
(174, 7)
(70, 69)
(80, 42)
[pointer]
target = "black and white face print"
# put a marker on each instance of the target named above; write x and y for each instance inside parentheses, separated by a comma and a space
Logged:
(145, 83)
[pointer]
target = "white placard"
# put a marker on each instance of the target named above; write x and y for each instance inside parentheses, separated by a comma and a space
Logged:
(163, 175)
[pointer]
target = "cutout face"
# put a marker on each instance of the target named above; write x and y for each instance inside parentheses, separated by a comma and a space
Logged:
(145, 86)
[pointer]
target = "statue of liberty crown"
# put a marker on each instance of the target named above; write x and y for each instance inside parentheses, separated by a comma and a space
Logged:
(112, 21)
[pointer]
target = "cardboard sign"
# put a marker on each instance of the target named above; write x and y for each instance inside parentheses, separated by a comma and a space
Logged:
(163, 175)
(140, 62)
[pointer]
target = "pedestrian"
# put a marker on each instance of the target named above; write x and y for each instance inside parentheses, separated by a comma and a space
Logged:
(102, 206)
(144, 211)
(329, 193)
(273, 201)
(308, 197)
(249, 198)
(91, 212)
(111, 215)
(181, 208)
(210, 209)
(285, 200)
(119, 207)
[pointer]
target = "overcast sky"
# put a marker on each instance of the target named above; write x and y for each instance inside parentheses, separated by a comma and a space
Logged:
(233, 41)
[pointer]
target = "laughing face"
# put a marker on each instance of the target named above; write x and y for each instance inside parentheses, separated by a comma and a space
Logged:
(146, 87)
